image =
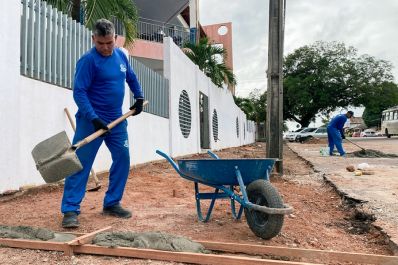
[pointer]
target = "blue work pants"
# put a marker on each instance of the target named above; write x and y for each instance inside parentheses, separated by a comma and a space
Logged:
(117, 143)
(334, 139)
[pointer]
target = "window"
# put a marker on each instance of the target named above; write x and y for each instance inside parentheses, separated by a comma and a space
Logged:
(215, 126)
(184, 114)
(237, 127)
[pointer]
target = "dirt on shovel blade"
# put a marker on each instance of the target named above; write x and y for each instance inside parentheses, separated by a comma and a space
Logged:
(371, 153)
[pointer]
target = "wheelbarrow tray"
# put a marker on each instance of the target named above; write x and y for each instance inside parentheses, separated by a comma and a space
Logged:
(223, 171)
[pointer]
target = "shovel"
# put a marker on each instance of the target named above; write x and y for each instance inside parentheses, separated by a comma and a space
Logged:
(56, 158)
(363, 149)
(93, 175)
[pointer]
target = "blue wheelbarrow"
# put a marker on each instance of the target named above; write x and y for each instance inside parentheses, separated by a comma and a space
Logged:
(243, 180)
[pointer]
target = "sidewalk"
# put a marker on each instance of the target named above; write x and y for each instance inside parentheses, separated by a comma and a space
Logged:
(375, 194)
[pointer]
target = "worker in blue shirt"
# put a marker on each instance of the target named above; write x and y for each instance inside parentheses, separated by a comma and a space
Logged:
(98, 91)
(335, 131)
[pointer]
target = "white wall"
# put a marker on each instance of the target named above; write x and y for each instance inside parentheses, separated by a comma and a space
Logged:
(183, 74)
(9, 69)
(31, 111)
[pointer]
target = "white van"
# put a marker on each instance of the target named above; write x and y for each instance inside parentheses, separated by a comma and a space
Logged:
(389, 121)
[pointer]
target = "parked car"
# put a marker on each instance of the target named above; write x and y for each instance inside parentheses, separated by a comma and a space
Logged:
(356, 134)
(304, 134)
(368, 133)
(291, 136)
(320, 132)
(379, 134)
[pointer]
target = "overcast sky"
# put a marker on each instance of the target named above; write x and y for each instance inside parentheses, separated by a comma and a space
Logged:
(368, 25)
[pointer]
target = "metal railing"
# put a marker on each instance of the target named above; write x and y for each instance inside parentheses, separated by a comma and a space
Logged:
(155, 88)
(152, 30)
(51, 43)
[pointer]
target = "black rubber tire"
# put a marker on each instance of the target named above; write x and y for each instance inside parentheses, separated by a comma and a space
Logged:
(388, 135)
(263, 225)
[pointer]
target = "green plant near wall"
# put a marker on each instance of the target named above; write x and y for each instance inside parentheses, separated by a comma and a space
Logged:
(88, 11)
(205, 55)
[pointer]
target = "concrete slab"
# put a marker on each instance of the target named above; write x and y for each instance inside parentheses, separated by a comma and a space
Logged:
(375, 194)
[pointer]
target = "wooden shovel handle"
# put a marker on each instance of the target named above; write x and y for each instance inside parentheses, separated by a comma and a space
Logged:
(98, 133)
(355, 144)
(72, 124)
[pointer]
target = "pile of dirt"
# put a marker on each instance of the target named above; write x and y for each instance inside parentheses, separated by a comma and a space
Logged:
(151, 240)
(370, 153)
(25, 232)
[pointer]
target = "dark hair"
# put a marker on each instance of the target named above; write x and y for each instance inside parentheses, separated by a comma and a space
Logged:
(103, 27)
(350, 112)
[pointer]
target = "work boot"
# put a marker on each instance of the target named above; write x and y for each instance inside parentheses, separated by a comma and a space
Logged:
(117, 211)
(70, 220)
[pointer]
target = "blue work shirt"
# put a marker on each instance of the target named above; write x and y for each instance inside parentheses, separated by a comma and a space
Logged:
(99, 84)
(338, 122)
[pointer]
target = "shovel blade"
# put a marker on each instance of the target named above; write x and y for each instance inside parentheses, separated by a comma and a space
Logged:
(55, 158)
(60, 167)
(51, 148)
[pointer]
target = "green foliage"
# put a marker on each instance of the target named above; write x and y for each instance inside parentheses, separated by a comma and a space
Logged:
(124, 10)
(255, 106)
(380, 98)
(246, 105)
(204, 55)
(321, 77)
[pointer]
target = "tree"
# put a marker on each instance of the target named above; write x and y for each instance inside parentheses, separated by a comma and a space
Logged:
(321, 77)
(380, 98)
(88, 11)
(246, 105)
(254, 106)
(205, 55)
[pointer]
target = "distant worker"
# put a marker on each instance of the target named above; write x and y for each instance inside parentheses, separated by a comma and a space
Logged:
(98, 91)
(336, 132)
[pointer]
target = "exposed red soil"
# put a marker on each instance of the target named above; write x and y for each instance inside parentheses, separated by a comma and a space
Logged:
(163, 201)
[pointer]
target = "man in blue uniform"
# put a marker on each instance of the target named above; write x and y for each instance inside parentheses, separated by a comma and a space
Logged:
(99, 89)
(336, 132)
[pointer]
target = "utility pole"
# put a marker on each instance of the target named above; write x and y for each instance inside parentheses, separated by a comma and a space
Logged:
(274, 122)
(193, 21)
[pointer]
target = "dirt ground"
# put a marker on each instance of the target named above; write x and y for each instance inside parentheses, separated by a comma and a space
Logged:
(163, 201)
(375, 194)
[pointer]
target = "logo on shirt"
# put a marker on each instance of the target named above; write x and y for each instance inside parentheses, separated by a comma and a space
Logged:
(123, 68)
(126, 143)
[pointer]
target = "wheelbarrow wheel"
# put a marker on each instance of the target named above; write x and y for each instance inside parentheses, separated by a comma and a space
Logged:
(264, 225)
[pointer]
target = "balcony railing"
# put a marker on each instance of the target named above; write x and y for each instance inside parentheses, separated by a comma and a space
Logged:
(152, 30)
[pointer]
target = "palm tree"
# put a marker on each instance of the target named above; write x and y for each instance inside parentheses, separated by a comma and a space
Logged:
(205, 55)
(88, 11)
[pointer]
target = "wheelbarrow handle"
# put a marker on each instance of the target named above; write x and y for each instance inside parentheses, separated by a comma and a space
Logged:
(213, 155)
(98, 133)
(171, 161)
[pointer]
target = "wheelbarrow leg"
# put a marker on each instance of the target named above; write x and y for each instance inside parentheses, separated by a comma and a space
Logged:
(198, 208)
(241, 185)
(234, 215)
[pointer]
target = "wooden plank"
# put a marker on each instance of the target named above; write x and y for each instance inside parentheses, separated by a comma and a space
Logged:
(87, 238)
(193, 258)
(32, 244)
(324, 255)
